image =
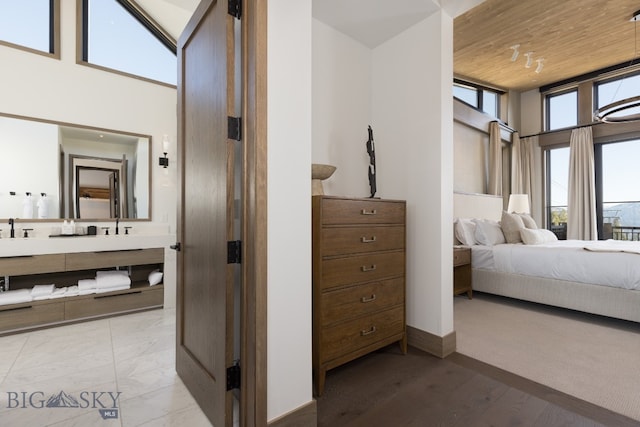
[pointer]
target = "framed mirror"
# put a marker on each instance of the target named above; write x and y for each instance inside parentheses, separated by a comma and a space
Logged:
(54, 171)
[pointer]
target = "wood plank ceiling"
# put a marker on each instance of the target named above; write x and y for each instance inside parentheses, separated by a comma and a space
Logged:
(573, 37)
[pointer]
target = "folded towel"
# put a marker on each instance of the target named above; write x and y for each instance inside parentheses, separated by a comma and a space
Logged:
(42, 290)
(112, 281)
(115, 288)
(72, 291)
(87, 284)
(87, 291)
(58, 293)
(15, 297)
(111, 272)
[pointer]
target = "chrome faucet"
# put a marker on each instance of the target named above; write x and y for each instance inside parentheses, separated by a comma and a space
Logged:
(13, 232)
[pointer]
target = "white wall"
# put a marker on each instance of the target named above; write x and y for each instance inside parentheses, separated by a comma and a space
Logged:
(42, 87)
(413, 115)
(289, 206)
(341, 105)
(471, 158)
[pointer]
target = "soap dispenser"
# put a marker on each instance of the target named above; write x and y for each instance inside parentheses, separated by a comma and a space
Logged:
(27, 206)
(43, 206)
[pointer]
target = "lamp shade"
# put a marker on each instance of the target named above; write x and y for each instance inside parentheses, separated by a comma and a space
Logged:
(519, 203)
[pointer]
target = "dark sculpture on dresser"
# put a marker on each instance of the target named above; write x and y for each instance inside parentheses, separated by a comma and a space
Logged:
(372, 163)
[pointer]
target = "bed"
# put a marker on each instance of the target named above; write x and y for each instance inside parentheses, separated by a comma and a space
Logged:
(603, 279)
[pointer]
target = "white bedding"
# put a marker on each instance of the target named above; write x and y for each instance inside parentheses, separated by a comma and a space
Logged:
(565, 260)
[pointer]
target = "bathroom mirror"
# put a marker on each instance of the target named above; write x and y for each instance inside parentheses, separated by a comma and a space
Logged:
(53, 171)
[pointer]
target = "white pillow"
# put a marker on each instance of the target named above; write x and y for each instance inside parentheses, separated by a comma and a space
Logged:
(464, 231)
(488, 232)
(528, 221)
(511, 225)
(155, 277)
(537, 236)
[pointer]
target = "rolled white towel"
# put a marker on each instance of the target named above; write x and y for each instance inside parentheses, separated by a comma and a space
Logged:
(112, 281)
(15, 297)
(72, 291)
(42, 290)
(87, 284)
(87, 291)
(155, 277)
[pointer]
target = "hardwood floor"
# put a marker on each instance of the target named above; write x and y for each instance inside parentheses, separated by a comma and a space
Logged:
(386, 388)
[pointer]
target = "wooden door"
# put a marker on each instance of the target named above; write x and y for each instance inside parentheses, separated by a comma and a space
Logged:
(204, 347)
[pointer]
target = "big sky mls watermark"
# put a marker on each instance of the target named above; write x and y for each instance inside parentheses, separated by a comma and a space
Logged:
(106, 402)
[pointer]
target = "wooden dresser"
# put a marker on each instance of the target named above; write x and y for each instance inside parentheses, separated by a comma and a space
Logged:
(358, 279)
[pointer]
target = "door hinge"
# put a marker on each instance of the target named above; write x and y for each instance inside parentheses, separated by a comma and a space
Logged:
(234, 125)
(235, 8)
(234, 252)
(233, 376)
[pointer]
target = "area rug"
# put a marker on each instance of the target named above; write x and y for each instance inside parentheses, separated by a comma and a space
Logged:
(593, 358)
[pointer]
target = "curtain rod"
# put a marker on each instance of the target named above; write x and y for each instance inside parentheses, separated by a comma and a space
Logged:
(504, 126)
(561, 130)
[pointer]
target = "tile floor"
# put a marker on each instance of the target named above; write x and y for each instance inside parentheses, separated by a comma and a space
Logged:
(132, 354)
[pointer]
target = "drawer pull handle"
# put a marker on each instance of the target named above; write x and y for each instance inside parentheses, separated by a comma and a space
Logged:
(117, 295)
(364, 333)
(17, 308)
(368, 299)
(366, 212)
(367, 268)
(365, 240)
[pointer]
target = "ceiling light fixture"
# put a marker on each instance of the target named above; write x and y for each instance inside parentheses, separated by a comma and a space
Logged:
(540, 62)
(625, 110)
(516, 52)
(529, 56)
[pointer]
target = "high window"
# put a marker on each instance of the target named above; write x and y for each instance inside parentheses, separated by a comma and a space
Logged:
(116, 38)
(30, 24)
(478, 97)
(561, 110)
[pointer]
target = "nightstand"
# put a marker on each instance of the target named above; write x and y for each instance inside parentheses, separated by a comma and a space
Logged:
(462, 271)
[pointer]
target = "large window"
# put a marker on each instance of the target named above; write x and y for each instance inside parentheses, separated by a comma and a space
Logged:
(619, 193)
(29, 24)
(480, 98)
(558, 190)
(114, 38)
(562, 110)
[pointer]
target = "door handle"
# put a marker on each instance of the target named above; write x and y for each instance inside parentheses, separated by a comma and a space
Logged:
(177, 247)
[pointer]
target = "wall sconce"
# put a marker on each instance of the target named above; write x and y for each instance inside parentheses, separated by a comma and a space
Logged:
(164, 161)
(516, 52)
(529, 56)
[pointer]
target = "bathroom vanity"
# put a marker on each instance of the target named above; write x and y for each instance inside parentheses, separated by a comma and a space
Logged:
(63, 269)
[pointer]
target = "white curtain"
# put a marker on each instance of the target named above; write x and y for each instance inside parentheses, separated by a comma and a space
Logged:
(581, 223)
(525, 166)
(495, 160)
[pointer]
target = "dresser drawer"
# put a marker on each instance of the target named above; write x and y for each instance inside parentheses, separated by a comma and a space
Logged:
(31, 264)
(353, 335)
(29, 314)
(347, 303)
(341, 211)
(109, 259)
(461, 256)
(114, 302)
(348, 240)
(361, 268)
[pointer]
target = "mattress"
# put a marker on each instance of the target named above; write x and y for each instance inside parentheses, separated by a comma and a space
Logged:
(567, 260)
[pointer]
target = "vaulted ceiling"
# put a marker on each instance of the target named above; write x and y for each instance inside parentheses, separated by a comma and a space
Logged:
(573, 37)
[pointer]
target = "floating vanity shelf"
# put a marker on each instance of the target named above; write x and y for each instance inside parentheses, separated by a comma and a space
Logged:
(65, 270)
